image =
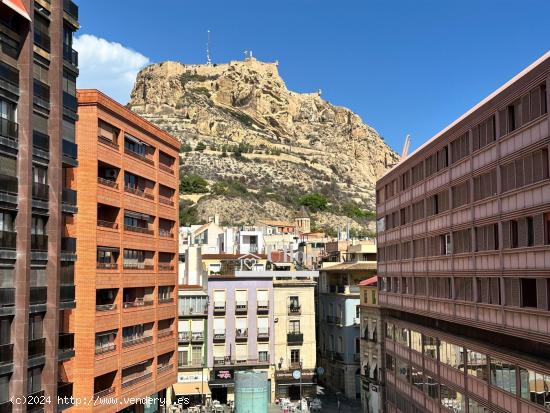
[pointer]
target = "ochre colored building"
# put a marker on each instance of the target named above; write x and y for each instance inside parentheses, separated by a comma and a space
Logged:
(126, 276)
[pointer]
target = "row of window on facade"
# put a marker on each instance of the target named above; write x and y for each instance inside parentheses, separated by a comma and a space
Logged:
(509, 291)
(529, 107)
(107, 258)
(526, 231)
(516, 174)
(533, 385)
(105, 341)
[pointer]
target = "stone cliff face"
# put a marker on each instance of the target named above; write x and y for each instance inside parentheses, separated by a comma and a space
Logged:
(296, 141)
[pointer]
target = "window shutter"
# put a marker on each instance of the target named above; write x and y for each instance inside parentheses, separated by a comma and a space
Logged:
(522, 232)
(528, 170)
(491, 129)
(495, 290)
(519, 173)
(538, 225)
(482, 135)
(502, 116)
(535, 110)
(506, 234)
(475, 133)
(525, 109)
(537, 166)
(484, 290)
(490, 237)
(542, 293)
(515, 292)
(517, 114)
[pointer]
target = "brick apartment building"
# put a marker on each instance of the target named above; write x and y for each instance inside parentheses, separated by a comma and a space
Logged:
(463, 235)
(126, 276)
(38, 155)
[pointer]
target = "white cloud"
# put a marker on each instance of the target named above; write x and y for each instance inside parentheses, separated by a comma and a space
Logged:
(107, 66)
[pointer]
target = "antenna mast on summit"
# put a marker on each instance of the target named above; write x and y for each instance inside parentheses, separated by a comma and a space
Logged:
(208, 60)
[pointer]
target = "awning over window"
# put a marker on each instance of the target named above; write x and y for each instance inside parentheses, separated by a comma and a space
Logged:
(186, 389)
(17, 6)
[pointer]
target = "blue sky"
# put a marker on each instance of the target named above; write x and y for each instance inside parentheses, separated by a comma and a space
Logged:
(405, 66)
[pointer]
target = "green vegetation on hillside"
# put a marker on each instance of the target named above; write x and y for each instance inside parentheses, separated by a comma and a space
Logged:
(193, 184)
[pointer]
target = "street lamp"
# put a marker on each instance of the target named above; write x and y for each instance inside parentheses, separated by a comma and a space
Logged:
(301, 405)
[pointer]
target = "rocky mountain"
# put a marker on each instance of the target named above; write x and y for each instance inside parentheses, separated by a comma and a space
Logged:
(251, 138)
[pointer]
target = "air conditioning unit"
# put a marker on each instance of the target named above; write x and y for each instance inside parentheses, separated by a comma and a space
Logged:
(110, 173)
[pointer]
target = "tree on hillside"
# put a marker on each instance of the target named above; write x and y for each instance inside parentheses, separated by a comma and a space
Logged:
(200, 147)
(314, 202)
(193, 184)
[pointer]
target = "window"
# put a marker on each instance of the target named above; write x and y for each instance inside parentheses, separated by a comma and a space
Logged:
(535, 387)
(484, 133)
(416, 341)
(535, 292)
(403, 370)
(405, 215)
(439, 287)
(294, 303)
(429, 346)
(475, 407)
(461, 194)
(525, 171)
(294, 326)
(477, 364)
(390, 362)
(419, 248)
(503, 375)
(4, 388)
(402, 336)
(453, 400)
(432, 387)
(464, 288)
(485, 185)
(34, 380)
(405, 180)
(418, 210)
(295, 355)
(417, 173)
(406, 250)
(524, 232)
(451, 355)
(460, 148)
(529, 107)
(389, 331)
(416, 378)
(487, 237)
(135, 145)
(488, 290)
(196, 355)
(419, 285)
(462, 241)
(438, 203)
(36, 326)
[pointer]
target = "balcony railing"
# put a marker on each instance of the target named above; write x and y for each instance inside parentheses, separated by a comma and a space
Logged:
(165, 367)
(241, 307)
(64, 395)
(138, 192)
(107, 141)
(295, 338)
(70, 55)
(219, 306)
(106, 265)
(138, 156)
(162, 266)
(192, 311)
(8, 240)
(241, 334)
(69, 101)
(294, 310)
(219, 335)
(6, 354)
(70, 149)
(69, 196)
(165, 233)
(137, 266)
(222, 361)
(38, 295)
(7, 297)
(68, 244)
(37, 347)
(166, 168)
(8, 184)
(66, 293)
(104, 393)
(42, 40)
(263, 333)
(41, 141)
(40, 191)
(9, 129)
(167, 332)
(66, 342)
(39, 242)
(142, 230)
(35, 401)
(105, 307)
(138, 302)
(136, 380)
(197, 336)
(165, 200)
(107, 182)
(106, 348)
(136, 341)
(263, 307)
(184, 336)
(165, 300)
(357, 357)
(107, 224)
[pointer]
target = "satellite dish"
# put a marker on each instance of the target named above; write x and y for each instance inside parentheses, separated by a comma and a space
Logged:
(296, 374)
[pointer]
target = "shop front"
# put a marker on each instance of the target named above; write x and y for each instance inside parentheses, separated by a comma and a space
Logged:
(288, 384)
(222, 385)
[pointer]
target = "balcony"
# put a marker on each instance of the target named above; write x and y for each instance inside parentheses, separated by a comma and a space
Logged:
(166, 168)
(136, 380)
(104, 393)
(6, 354)
(163, 266)
(165, 200)
(40, 191)
(66, 346)
(138, 302)
(9, 129)
(106, 265)
(7, 297)
(107, 141)
(336, 289)
(136, 341)
(70, 152)
(35, 401)
(294, 310)
(68, 245)
(197, 336)
(241, 334)
(193, 311)
(6, 407)
(166, 233)
(66, 292)
(41, 141)
(165, 300)
(8, 184)
(164, 368)
(332, 319)
(222, 361)
(9, 77)
(69, 101)
(167, 332)
(219, 307)
(105, 307)
(107, 224)
(241, 307)
(70, 55)
(111, 183)
(38, 295)
(137, 266)
(70, 8)
(64, 395)
(262, 307)
(263, 334)
(139, 156)
(138, 192)
(219, 336)
(141, 230)
(8, 240)
(68, 199)
(37, 347)
(295, 338)
(184, 337)
(107, 348)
